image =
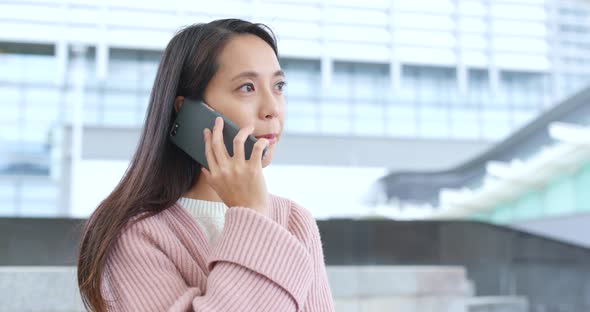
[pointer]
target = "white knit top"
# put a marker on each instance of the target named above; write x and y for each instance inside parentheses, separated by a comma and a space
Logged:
(209, 215)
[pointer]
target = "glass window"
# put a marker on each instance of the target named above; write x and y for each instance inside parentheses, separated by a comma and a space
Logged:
(42, 104)
(301, 123)
(119, 108)
(360, 81)
(10, 103)
(120, 100)
(335, 117)
(7, 190)
(370, 81)
(341, 87)
(40, 69)
(123, 71)
(478, 89)
(39, 190)
(465, 123)
(122, 117)
(401, 120)
(92, 116)
(433, 122)
(478, 79)
(303, 78)
(521, 89)
(90, 76)
(38, 207)
(433, 86)
(93, 105)
(36, 131)
(28, 63)
(369, 118)
(359, 88)
(10, 130)
(7, 197)
(8, 208)
(302, 115)
(574, 28)
(10, 95)
(578, 12)
(575, 44)
(517, 11)
(93, 100)
(143, 100)
(12, 67)
(495, 123)
(148, 62)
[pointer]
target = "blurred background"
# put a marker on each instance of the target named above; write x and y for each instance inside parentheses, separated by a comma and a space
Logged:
(443, 145)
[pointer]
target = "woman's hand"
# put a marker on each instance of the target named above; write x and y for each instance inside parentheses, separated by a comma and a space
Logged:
(237, 181)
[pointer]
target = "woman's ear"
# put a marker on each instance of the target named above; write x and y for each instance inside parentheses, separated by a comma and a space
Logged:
(178, 103)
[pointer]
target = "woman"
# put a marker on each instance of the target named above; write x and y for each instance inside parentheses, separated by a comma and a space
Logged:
(173, 236)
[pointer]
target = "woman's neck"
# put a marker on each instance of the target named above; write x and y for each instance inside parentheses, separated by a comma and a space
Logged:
(201, 190)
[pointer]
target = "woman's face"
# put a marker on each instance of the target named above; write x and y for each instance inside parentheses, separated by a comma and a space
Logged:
(248, 88)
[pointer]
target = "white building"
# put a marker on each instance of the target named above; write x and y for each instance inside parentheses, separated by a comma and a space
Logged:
(458, 73)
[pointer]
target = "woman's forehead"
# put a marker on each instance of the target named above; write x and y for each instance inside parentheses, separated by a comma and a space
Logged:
(248, 53)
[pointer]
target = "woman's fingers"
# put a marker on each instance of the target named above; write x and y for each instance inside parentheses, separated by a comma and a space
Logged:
(259, 147)
(209, 151)
(219, 149)
(206, 173)
(239, 141)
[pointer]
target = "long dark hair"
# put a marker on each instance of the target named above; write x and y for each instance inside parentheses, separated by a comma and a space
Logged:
(159, 172)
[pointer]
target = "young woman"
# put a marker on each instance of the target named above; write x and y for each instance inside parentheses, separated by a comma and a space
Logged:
(173, 236)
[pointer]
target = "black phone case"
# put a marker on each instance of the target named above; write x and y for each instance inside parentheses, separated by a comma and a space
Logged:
(187, 131)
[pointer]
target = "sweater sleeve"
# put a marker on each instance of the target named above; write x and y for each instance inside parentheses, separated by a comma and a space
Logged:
(256, 265)
(304, 227)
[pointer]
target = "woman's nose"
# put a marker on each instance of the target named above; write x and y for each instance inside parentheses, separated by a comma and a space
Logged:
(270, 106)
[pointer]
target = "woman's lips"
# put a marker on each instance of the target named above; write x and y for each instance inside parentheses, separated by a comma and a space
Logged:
(272, 138)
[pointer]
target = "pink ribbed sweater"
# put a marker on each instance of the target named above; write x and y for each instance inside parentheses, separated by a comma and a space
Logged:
(259, 263)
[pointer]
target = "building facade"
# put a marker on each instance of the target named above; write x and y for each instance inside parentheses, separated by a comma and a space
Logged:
(444, 70)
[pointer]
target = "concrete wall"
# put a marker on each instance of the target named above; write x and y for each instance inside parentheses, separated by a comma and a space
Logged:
(552, 275)
(42, 289)
(400, 288)
(355, 289)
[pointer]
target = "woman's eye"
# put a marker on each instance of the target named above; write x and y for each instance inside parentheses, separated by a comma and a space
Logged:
(247, 87)
(281, 85)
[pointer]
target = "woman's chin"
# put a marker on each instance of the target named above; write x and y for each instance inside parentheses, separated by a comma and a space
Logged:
(267, 159)
(266, 162)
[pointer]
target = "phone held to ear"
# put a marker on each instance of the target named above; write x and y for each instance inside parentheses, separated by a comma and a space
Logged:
(187, 131)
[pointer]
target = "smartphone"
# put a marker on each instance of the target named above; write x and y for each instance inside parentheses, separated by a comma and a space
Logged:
(192, 119)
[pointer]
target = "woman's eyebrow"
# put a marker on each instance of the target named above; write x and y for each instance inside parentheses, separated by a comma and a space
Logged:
(253, 74)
